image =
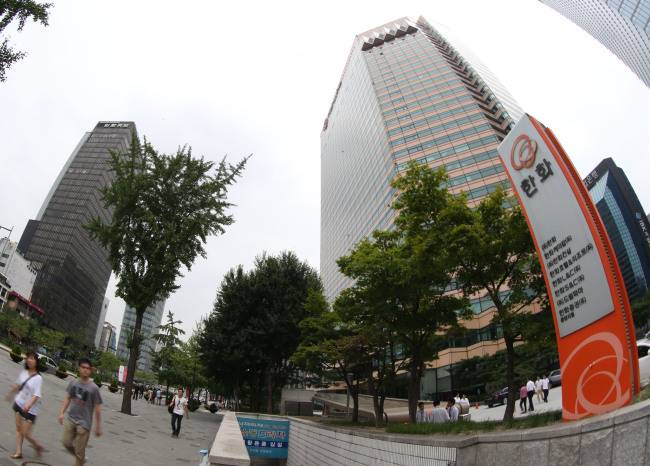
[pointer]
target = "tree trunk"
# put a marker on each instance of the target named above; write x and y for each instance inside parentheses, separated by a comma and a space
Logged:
(414, 387)
(510, 373)
(133, 359)
(269, 389)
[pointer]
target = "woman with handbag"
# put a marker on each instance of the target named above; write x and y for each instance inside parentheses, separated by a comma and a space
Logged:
(26, 403)
(176, 408)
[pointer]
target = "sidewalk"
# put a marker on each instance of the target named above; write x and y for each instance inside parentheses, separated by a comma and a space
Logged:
(141, 439)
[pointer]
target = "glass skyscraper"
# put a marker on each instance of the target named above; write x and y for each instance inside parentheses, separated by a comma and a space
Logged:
(150, 322)
(623, 26)
(626, 224)
(409, 91)
(73, 271)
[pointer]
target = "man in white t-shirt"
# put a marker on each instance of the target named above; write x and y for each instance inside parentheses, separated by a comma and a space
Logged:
(530, 386)
(545, 386)
(180, 406)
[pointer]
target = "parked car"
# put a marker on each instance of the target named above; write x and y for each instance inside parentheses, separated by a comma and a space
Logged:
(52, 367)
(555, 377)
(643, 348)
(499, 398)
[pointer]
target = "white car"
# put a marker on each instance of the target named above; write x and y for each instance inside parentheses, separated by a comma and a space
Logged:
(643, 346)
(52, 367)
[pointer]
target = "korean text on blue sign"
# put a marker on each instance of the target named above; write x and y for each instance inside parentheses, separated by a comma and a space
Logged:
(265, 437)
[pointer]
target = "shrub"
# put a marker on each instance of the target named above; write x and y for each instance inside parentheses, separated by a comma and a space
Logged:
(98, 380)
(16, 354)
(42, 367)
(213, 408)
(61, 374)
(193, 405)
(114, 386)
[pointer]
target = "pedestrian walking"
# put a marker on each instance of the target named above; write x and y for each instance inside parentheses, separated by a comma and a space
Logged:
(26, 403)
(179, 404)
(530, 387)
(545, 386)
(523, 396)
(159, 396)
(538, 388)
(84, 399)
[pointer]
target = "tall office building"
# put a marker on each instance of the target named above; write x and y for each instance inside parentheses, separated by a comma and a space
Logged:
(150, 322)
(623, 26)
(626, 224)
(409, 91)
(73, 271)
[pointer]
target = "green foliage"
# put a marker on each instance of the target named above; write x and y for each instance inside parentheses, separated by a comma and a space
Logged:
(51, 339)
(98, 380)
(213, 408)
(42, 366)
(444, 429)
(401, 276)
(108, 364)
(17, 349)
(62, 367)
(193, 405)
(21, 10)
(164, 208)
(488, 372)
(497, 258)
(253, 331)
(641, 311)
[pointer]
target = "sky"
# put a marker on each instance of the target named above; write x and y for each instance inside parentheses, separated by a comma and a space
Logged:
(231, 79)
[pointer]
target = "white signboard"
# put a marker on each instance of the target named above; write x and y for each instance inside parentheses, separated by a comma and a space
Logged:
(577, 283)
(122, 374)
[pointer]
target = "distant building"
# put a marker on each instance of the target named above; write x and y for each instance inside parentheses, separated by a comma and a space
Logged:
(73, 271)
(150, 322)
(626, 224)
(5, 289)
(623, 26)
(20, 274)
(108, 338)
(100, 324)
(25, 308)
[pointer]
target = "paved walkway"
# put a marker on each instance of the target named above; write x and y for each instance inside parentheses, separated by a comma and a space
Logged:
(397, 409)
(141, 439)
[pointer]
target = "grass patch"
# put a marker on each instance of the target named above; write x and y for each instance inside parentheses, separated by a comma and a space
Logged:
(534, 420)
(644, 395)
(451, 428)
(445, 429)
(344, 423)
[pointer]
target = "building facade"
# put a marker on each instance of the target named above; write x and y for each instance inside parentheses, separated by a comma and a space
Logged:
(18, 271)
(108, 339)
(410, 92)
(150, 322)
(73, 270)
(626, 224)
(623, 26)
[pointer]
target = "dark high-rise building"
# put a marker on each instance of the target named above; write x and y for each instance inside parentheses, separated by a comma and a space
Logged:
(626, 224)
(73, 271)
(150, 321)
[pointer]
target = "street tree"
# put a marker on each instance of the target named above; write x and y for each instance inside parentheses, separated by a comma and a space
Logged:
(330, 348)
(402, 276)
(22, 10)
(165, 363)
(497, 258)
(164, 208)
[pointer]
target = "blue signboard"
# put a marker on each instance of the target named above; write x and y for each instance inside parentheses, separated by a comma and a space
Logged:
(265, 437)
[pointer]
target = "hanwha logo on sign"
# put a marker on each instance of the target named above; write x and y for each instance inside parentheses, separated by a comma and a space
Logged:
(523, 152)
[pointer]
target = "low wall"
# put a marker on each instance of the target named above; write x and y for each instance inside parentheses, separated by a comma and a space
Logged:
(228, 447)
(619, 437)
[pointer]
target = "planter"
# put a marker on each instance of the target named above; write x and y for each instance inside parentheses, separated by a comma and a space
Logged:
(61, 375)
(112, 389)
(16, 357)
